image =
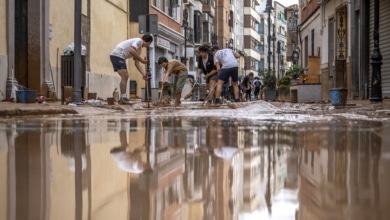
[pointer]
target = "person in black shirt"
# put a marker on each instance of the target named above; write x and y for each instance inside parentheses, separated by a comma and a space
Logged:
(207, 67)
(246, 87)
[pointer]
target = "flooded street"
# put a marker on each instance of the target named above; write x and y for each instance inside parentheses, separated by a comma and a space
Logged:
(193, 168)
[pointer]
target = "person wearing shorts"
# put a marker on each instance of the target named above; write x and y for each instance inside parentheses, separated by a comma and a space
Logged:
(207, 67)
(130, 48)
(226, 58)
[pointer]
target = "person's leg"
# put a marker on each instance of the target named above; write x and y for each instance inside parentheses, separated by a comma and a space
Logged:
(212, 84)
(181, 79)
(218, 91)
(256, 93)
(248, 95)
(236, 92)
(119, 66)
(234, 75)
(243, 94)
(123, 83)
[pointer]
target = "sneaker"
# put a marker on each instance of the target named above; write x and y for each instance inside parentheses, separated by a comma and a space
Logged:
(236, 100)
(217, 103)
(124, 100)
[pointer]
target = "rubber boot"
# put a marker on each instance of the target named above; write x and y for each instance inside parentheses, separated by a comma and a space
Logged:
(177, 99)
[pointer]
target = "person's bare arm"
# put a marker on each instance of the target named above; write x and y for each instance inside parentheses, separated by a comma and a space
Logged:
(137, 57)
(211, 73)
(237, 55)
(166, 74)
(198, 72)
(139, 68)
(218, 66)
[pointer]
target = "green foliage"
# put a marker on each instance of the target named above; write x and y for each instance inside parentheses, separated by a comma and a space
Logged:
(284, 83)
(294, 71)
(269, 79)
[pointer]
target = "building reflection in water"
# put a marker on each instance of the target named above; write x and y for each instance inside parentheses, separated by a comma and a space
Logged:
(340, 178)
(193, 168)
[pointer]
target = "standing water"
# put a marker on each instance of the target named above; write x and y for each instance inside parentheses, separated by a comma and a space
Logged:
(193, 168)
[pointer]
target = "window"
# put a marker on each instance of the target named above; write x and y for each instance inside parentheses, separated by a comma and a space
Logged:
(197, 27)
(282, 31)
(208, 29)
(281, 17)
(169, 7)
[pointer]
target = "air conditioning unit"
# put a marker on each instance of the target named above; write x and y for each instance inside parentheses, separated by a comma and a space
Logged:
(205, 17)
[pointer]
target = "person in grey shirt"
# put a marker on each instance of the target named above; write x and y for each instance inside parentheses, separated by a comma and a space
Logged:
(227, 58)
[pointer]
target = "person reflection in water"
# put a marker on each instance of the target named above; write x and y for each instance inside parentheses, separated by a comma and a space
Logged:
(129, 161)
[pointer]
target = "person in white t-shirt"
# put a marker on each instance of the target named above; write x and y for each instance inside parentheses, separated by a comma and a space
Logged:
(130, 48)
(226, 58)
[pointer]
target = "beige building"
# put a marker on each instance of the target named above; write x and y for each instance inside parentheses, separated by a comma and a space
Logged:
(38, 32)
(37, 36)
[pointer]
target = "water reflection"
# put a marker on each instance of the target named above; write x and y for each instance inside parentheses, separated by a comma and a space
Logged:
(193, 168)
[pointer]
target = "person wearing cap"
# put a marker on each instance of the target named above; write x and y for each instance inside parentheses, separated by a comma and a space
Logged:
(227, 66)
(179, 70)
(130, 48)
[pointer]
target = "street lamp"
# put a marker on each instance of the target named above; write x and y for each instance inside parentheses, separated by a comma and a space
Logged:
(295, 57)
(376, 63)
(268, 9)
(273, 47)
(280, 61)
(214, 39)
(230, 44)
(185, 26)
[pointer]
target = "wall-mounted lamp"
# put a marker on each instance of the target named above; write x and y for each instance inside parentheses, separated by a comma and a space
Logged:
(230, 43)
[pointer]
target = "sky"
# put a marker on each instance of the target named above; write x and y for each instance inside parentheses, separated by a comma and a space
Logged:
(288, 2)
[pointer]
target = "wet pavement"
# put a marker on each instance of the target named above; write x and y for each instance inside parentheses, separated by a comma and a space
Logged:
(355, 109)
(258, 161)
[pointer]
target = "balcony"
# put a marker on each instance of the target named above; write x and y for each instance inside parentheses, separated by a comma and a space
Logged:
(208, 9)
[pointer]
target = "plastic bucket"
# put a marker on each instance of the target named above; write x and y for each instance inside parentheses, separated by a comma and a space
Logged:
(26, 96)
(10, 82)
(338, 97)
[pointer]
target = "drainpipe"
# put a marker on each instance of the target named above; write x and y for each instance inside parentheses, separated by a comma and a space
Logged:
(376, 63)
(76, 97)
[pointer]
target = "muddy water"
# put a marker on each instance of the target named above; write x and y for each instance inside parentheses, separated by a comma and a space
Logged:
(193, 168)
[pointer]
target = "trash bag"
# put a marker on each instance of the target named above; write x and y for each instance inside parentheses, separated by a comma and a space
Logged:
(69, 50)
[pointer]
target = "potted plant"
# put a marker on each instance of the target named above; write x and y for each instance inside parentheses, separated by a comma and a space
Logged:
(283, 85)
(294, 72)
(269, 82)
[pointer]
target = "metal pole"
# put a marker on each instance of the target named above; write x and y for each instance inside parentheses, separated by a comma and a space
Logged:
(268, 8)
(185, 25)
(273, 48)
(279, 60)
(376, 60)
(76, 98)
(148, 89)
